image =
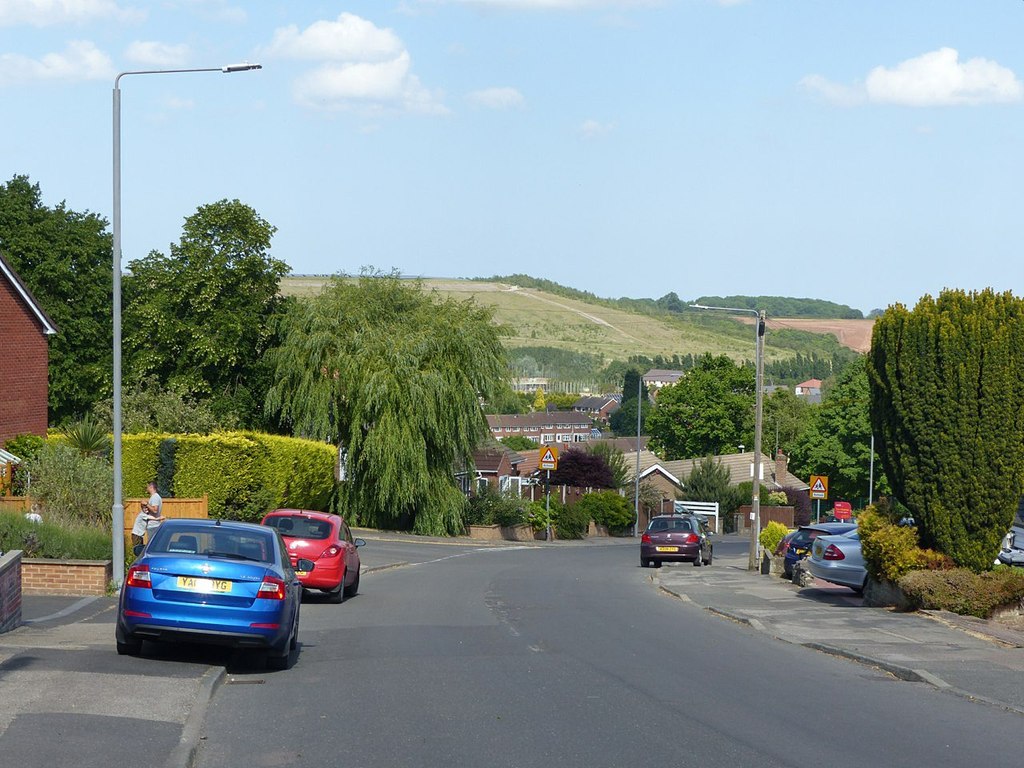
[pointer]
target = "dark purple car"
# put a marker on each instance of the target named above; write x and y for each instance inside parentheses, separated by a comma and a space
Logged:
(674, 538)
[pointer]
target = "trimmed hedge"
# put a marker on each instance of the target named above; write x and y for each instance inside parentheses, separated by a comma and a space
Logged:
(299, 473)
(962, 591)
(140, 460)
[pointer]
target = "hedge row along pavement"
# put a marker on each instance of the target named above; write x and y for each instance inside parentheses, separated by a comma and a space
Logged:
(244, 474)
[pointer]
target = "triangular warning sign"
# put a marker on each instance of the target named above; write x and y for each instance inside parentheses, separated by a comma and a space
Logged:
(546, 456)
(818, 485)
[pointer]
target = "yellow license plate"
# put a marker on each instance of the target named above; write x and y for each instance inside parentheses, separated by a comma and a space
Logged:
(194, 584)
(801, 551)
(302, 573)
(667, 549)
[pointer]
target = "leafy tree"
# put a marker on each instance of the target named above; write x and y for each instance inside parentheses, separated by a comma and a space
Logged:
(632, 386)
(607, 508)
(786, 416)
(201, 319)
(519, 443)
(947, 406)
(707, 412)
(623, 419)
(615, 460)
(709, 480)
(837, 440)
(539, 401)
(64, 258)
(582, 469)
(149, 407)
(394, 377)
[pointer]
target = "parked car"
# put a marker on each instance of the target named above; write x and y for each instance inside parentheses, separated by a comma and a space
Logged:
(838, 560)
(683, 538)
(800, 544)
(326, 540)
(783, 546)
(215, 582)
(1012, 550)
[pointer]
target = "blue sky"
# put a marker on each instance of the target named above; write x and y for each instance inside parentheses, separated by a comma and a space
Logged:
(864, 152)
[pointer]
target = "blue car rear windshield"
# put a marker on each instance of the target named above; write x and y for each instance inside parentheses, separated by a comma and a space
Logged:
(211, 541)
(300, 527)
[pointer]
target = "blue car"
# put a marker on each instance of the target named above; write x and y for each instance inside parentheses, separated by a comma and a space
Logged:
(801, 542)
(216, 582)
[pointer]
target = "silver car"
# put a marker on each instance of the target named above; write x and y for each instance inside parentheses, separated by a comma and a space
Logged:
(838, 560)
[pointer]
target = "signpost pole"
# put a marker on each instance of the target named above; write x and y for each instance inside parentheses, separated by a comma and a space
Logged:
(547, 503)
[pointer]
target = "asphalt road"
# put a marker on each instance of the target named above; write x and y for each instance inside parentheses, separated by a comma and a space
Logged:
(567, 656)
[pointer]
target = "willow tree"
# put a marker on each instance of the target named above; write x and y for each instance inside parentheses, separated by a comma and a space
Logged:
(947, 409)
(393, 376)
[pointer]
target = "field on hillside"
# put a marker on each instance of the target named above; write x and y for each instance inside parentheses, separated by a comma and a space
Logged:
(538, 318)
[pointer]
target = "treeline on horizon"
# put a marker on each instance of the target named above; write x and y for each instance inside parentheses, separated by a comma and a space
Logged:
(775, 306)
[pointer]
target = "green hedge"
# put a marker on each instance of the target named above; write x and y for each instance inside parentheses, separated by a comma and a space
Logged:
(962, 591)
(298, 473)
(140, 458)
(229, 468)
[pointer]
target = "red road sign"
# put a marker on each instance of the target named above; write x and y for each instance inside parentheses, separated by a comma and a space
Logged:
(842, 510)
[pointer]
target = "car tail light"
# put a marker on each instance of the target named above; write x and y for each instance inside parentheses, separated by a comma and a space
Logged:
(693, 538)
(783, 547)
(331, 551)
(138, 576)
(833, 553)
(645, 539)
(272, 589)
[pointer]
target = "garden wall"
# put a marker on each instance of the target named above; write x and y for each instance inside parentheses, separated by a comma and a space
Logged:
(65, 577)
(10, 591)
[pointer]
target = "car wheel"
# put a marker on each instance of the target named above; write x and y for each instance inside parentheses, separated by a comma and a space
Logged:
(698, 561)
(337, 595)
(656, 563)
(711, 554)
(644, 563)
(129, 648)
(352, 589)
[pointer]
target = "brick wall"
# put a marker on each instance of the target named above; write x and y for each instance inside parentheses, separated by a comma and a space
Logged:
(65, 577)
(10, 591)
(23, 375)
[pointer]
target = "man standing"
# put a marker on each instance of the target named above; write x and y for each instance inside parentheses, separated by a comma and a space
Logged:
(156, 503)
(149, 513)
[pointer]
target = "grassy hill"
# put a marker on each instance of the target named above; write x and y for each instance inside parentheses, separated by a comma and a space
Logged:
(604, 330)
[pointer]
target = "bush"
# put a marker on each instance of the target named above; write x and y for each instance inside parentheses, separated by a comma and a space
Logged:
(962, 591)
(53, 539)
(140, 463)
(537, 514)
(492, 508)
(772, 534)
(800, 501)
(775, 498)
(571, 521)
(607, 508)
(72, 486)
(891, 551)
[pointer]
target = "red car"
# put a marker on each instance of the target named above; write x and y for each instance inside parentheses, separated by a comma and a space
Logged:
(327, 541)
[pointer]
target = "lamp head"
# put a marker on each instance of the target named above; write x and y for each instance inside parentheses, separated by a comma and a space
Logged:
(243, 67)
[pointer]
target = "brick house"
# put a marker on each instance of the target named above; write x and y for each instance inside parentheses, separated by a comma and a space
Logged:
(24, 358)
(542, 427)
(598, 407)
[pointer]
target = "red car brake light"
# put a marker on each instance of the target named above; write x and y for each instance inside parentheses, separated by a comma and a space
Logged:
(138, 576)
(272, 589)
(645, 539)
(833, 553)
(331, 551)
(693, 538)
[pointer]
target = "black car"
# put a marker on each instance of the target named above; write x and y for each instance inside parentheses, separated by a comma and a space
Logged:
(674, 538)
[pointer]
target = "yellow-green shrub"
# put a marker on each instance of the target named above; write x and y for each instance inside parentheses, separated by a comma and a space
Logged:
(228, 468)
(140, 458)
(962, 591)
(891, 551)
(772, 534)
(298, 473)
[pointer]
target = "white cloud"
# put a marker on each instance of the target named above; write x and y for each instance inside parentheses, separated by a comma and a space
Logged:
(43, 13)
(363, 68)
(154, 54)
(350, 38)
(367, 88)
(592, 129)
(937, 78)
(498, 98)
(80, 60)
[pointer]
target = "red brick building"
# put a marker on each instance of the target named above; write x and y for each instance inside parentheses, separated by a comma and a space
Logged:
(24, 358)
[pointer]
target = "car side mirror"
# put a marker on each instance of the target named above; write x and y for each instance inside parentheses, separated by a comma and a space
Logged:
(304, 565)
(137, 549)
(360, 543)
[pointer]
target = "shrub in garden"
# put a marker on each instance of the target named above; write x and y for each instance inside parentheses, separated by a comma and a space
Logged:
(489, 507)
(800, 501)
(962, 591)
(571, 522)
(891, 551)
(772, 534)
(60, 539)
(71, 486)
(607, 508)
(776, 499)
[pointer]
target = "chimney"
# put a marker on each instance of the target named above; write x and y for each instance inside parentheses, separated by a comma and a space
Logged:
(781, 467)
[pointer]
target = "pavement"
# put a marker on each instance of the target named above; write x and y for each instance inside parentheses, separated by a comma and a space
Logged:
(972, 658)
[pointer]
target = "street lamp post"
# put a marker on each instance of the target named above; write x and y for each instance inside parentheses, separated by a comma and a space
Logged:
(117, 510)
(755, 500)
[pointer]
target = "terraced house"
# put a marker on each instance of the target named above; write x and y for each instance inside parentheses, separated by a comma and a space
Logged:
(542, 427)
